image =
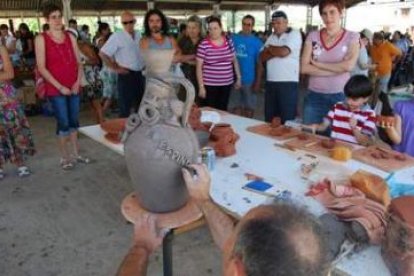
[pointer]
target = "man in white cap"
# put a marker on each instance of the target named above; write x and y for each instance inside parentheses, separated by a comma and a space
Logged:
(281, 53)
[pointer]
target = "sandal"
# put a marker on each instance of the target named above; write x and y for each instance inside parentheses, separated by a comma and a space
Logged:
(66, 164)
(23, 171)
(82, 159)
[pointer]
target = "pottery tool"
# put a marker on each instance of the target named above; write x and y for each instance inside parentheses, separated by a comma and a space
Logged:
(308, 145)
(283, 146)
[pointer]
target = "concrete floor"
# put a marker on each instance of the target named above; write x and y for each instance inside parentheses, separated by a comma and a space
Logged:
(69, 223)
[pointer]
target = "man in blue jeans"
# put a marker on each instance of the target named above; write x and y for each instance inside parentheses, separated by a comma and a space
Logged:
(281, 54)
(121, 53)
(247, 47)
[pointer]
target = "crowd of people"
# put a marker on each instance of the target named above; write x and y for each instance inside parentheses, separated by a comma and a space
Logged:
(221, 65)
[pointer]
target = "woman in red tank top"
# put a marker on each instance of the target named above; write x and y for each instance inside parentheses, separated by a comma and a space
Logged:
(57, 58)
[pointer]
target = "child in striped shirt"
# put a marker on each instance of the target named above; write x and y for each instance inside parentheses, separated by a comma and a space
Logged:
(353, 120)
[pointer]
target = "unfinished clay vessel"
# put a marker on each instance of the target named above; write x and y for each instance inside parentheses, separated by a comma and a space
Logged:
(398, 245)
(223, 140)
(159, 142)
(114, 129)
(328, 143)
(276, 122)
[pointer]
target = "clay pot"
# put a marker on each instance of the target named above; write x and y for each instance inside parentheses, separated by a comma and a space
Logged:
(158, 143)
(385, 121)
(224, 140)
(276, 122)
(114, 129)
(328, 143)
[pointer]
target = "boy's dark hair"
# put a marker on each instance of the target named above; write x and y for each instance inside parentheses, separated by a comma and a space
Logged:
(4, 27)
(49, 8)
(358, 86)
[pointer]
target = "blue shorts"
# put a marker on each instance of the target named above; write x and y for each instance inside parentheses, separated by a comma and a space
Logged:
(66, 110)
(317, 106)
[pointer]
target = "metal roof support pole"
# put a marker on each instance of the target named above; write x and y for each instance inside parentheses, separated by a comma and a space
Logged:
(67, 11)
(233, 21)
(39, 26)
(150, 5)
(309, 18)
(268, 14)
(344, 16)
(216, 9)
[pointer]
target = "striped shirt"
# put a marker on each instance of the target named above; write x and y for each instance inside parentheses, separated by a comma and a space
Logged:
(217, 62)
(339, 117)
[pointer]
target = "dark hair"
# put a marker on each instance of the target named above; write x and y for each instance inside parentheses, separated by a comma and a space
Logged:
(49, 8)
(249, 16)
(45, 27)
(4, 27)
(268, 245)
(183, 27)
(212, 19)
(339, 4)
(23, 26)
(358, 86)
(102, 26)
(386, 105)
(85, 28)
(164, 21)
(73, 21)
(379, 36)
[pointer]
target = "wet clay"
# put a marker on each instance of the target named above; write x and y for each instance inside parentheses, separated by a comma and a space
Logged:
(223, 139)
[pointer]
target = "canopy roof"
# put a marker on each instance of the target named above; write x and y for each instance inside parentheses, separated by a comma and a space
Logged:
(96, 6)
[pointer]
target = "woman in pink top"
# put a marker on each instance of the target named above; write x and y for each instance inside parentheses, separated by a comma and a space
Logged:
(328, 57)
(58, 61)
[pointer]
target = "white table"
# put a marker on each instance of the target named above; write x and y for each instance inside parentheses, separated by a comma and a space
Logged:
(257, 154)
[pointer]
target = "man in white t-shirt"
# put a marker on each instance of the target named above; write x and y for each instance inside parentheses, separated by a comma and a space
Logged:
(281, 53)
(121, 53)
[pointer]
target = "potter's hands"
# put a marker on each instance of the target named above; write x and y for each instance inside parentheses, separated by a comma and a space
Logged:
(146, 234)
(202, 92)
(198, 186)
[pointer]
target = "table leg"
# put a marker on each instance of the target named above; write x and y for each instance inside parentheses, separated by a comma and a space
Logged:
(167, 254)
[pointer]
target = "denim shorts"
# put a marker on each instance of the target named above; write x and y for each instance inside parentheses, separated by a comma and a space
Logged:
(317, 105)
(66, 110)
(245, 97)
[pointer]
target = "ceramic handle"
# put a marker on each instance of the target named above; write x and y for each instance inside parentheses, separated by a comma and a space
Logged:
(189, 100)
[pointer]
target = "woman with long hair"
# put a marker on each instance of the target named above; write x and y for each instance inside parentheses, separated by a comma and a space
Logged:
(27, 44)
(58, 61)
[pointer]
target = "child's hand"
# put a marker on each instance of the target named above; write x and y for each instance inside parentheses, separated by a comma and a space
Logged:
(353, 122)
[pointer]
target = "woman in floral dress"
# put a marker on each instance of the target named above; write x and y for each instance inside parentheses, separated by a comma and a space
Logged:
(16, 141)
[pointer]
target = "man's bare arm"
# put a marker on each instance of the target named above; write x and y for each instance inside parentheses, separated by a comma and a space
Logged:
(135, 262)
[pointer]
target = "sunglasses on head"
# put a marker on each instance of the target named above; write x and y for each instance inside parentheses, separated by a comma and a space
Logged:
(128, 22)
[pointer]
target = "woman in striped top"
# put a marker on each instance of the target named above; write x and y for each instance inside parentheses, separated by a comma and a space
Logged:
(216, 66)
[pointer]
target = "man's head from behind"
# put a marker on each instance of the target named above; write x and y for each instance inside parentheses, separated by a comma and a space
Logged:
(276, 240)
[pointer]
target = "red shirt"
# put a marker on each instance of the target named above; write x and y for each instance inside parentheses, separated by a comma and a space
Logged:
(61, 62)
(339, 117)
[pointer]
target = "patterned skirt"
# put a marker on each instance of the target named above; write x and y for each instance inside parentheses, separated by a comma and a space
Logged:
(16, 139)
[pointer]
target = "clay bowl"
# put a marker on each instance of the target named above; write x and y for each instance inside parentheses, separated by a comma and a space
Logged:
(202, 137)
(114, 126)
(220, 130)
(276, 122)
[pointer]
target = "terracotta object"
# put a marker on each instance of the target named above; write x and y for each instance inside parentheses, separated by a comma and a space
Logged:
(194, 118)
(223, 139)
(276, 122)
(303, 136)
(250, 176)
(328, 143)
(114, 129)
(341, 153)
(398, 245)
(385, 121)
(373, 186)
(159, 142)
(280, 131)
